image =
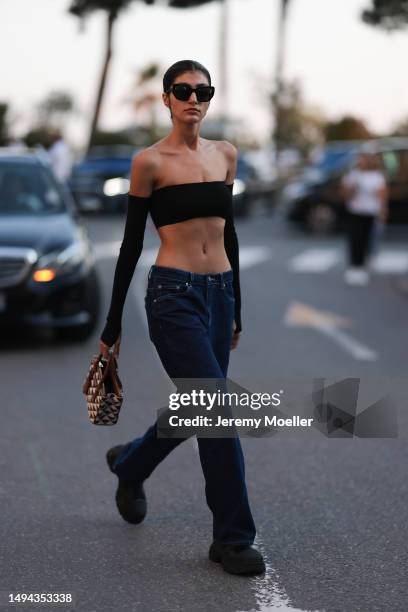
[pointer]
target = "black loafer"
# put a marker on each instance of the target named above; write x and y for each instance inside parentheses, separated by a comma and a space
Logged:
(130, 496)
(237, 559)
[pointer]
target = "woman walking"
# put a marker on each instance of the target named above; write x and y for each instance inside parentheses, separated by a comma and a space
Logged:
(365, 193)
(192, 302)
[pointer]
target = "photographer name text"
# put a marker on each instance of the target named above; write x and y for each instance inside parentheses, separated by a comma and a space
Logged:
(266, 421)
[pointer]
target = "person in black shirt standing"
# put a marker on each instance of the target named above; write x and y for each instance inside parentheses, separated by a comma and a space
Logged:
(193, 303)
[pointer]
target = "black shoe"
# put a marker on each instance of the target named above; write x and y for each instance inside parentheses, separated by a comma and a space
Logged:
(237, 559)
(130, 496)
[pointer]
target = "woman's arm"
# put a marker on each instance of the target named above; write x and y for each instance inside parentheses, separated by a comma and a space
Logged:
(132, 244)
(230, 236)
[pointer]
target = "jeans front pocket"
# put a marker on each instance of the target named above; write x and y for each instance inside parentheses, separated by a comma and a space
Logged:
(229, 290)
(160, 290)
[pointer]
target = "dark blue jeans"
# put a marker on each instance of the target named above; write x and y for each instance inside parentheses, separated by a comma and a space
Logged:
(190, 317)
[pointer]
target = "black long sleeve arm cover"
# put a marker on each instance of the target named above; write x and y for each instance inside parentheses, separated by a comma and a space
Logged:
(232, 251)
(130, 251)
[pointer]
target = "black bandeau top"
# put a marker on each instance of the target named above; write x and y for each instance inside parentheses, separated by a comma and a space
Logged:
(168, 205)
(175, 203)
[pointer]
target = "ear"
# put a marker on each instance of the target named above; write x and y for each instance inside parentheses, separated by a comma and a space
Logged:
(165, 98)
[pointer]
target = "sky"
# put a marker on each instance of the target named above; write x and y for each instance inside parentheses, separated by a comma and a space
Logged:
(343, 65)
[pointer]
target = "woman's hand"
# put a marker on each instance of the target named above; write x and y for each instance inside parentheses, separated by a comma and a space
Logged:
(104, 348)
(235, 338)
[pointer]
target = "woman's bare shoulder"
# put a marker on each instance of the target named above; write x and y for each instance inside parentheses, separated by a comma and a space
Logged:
(145, 167)
(230, 155)
(146, 158)
(227, 148)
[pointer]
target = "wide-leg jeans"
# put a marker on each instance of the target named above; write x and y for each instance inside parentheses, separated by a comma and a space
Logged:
(190, 318)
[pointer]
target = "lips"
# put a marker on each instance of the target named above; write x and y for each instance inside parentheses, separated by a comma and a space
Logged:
(192, 110)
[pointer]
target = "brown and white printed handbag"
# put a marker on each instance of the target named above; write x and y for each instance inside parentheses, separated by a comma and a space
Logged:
(103, 390)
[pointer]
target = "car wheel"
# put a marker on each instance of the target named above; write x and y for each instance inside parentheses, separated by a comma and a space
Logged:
(321, 219)
(91, 304)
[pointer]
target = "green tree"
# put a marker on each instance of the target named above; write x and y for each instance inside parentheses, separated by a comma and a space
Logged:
(55, 108)
(113, 8)
(387, 14)
(347, 128)
(4, 123)
(297, 125)
(400, 128)
(145, 95)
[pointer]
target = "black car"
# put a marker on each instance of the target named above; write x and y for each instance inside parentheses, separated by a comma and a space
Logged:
(242, 187)
(100, 181)
(47, 272)
(315, 200)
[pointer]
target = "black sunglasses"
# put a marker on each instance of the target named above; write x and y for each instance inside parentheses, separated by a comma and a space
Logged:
(183, 91)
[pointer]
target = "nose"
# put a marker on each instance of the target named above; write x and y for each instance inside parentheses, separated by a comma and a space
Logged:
(193, 93)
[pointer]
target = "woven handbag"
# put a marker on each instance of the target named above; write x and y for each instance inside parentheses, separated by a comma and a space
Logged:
(103, 390)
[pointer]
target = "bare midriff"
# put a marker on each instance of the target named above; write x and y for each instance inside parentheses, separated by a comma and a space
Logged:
(196, 245)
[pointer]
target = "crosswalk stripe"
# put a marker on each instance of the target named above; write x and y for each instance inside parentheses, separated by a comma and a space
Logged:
(390, 262)
(387, 261)
(315, 260)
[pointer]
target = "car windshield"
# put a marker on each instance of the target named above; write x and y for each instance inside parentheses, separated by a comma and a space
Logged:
(331, 160)
(103, 167)
(28, 189)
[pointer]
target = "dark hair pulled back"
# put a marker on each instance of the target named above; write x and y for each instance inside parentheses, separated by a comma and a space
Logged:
(178, 68)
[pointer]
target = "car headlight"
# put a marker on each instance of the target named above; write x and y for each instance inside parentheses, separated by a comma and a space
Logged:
(116, 186)
(239, 187)
(62, 262)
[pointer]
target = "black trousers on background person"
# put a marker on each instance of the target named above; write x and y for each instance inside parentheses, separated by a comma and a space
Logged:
(359, 228)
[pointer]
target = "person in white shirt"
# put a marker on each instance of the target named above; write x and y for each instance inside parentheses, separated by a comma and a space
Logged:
(60, 156)
(365, 194)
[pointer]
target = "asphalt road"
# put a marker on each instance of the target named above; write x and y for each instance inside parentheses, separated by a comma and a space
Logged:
(330, 512)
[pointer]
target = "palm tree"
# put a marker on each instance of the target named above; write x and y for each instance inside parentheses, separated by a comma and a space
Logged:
(146, 93)
(113, 8)
(223, 61)
(387, 14)
(280, 60)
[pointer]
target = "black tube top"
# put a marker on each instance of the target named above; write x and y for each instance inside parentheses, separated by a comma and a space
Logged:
(168, 205)
(175, 203)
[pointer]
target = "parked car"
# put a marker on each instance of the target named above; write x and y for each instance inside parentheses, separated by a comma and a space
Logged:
(315, 201)
(242, 192)
(100, 181)
(47, 272)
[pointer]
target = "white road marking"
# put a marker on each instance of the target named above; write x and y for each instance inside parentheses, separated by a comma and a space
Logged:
(355, 348)
(315, 260)
(39, 470)
(251, 256)
(390, 262)
(106, 250)
(320, 260)
(303, 315)
(270, 596)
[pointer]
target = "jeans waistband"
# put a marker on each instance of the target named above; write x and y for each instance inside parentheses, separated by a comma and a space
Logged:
(177, 274)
